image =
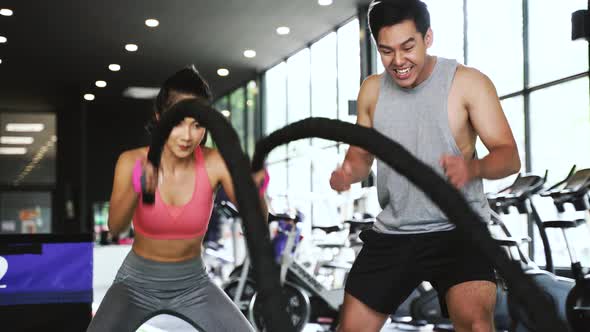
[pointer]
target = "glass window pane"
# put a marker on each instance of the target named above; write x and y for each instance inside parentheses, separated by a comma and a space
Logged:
(275, 105)
(298, 95)
(560, 132)
(323, 81)
(252, 111)
(349, 67)
(299, 173)
(560, 128)
(446, 20)
(496, 49)
(237, 117)
(553, 54)
(222, 104)
(28, 154)
(514, 112)
(377, 59)
(324, 161)
(24, 212)
(277, 185)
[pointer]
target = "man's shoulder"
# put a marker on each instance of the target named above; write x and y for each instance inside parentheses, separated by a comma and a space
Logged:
(469, 75)
(370, 87)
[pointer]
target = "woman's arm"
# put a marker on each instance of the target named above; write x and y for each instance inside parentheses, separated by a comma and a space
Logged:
(123, 197)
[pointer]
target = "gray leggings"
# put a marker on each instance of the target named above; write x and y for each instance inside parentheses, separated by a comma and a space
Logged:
(144, 288)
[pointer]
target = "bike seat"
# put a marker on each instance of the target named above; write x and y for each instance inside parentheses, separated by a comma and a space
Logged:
(564, 223)
(283, 216)
(328, 229)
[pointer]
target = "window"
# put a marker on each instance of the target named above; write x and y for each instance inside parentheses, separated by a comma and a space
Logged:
(446, 20)
(324, 89)
(237, 117)
(560, 128)
(298, 95)
(553, 55)
(25, 212)
(349, 68)
(275, 105)
(251, 115)
(560, 132)
(28, 156)
(27, 164)
(496, 49)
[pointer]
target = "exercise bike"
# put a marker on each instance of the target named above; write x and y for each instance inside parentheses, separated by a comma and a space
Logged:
(308, 299)
(574, 190)
(510, 313)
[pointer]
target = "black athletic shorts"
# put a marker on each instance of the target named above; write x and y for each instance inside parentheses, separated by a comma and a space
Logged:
(390, 266)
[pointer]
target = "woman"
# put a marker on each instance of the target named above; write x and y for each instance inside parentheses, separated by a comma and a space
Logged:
(164, 272)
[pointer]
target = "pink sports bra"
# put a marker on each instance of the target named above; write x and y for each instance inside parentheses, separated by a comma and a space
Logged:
(163, 221)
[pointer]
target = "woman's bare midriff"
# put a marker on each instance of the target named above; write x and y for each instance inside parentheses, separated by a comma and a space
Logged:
(167, 250)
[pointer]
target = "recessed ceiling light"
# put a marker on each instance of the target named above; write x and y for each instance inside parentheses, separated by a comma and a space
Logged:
(131, 47)
(100, 84)
(10, 150)
(324, 2)
(25, 127)
(16, 140)
(249, 53)
(0, 61)
(283, 30)
(152, 22)
(114, 67)
(3, 40)
(222, 72)
(89, 96)
(6, 12)
(226, 113)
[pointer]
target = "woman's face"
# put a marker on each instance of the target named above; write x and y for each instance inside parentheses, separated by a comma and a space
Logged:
(187, 135)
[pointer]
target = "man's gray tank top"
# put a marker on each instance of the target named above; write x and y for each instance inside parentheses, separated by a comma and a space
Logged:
(417, 118)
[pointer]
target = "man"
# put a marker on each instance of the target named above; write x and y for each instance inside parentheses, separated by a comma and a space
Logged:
(436, 109)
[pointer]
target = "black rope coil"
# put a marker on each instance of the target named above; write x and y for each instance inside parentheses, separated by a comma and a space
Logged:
(255, 229)
(540, 307)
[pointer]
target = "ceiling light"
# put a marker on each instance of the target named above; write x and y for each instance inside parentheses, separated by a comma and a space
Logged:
(89, 96)
(152, 22)
(0, 61)
(139, 92)
(7, 150)
(114, 67)
(226, 113)
(25, 127)
(3, 40)
(16, 140)
(283, 30)
(249, 53)
(131, 47)
(100, 84)
(324, 2)
(6, 12)
(222, 72)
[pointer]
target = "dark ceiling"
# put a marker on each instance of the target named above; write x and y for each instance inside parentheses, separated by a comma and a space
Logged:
(67, 45)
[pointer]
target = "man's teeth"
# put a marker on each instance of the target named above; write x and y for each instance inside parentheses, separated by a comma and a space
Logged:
(402, 71)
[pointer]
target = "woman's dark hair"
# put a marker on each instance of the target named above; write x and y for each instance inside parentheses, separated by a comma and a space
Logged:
(185, 81)
(383, 13)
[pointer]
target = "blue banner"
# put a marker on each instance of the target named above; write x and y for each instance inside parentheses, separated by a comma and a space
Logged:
(57, 273)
